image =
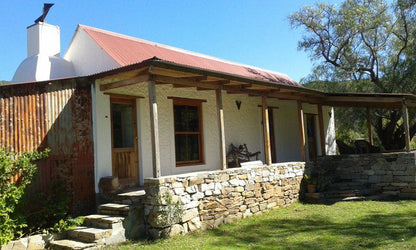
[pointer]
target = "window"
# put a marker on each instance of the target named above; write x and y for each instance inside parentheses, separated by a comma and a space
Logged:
(188, 131)
(122, 116)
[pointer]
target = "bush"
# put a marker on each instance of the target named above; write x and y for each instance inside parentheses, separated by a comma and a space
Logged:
(16, 172)
(42, 210)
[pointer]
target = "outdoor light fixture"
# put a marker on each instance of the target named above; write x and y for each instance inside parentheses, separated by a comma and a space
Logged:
(238, 103)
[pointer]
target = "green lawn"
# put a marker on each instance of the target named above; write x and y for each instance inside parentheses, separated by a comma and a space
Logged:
(343, 225)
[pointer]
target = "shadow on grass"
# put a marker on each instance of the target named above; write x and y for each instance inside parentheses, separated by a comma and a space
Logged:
(375, 230)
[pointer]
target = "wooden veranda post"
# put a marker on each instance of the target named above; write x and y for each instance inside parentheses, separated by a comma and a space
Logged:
(370, 137)
(154, 126)
(301, 130)
(220, 109)
(266, 131)
(321, 129)
(405, 115)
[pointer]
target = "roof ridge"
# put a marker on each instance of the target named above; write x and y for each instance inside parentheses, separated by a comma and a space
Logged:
(85, 27)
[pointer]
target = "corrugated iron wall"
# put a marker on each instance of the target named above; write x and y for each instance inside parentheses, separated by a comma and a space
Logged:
(57, 115)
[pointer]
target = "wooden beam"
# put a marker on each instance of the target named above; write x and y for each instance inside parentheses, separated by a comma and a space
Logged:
(193, 78)
(405, 115)
(266, 131)
(369, 132)
(218, 81)
(123, 83)
(220, 112)
(301, 130)
(154, 126)
(321, 130)
(184, 82)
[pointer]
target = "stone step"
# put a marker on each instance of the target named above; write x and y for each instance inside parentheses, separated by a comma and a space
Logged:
(70, 245)
(131, 197)
(104, 221)
(89, 234)
(347, 185)
(341, 193)
(114, 209)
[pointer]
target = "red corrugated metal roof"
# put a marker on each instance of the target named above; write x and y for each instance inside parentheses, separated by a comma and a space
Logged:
(127, 50)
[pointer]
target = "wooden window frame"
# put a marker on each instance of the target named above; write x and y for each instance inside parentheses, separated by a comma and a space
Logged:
(195, 103)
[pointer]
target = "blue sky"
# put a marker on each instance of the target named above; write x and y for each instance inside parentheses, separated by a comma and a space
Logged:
(255, 32)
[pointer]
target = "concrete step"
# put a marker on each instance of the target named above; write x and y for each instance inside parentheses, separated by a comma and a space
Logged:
(70, 245)
(89, 235)
(114, 209)
(104, 221)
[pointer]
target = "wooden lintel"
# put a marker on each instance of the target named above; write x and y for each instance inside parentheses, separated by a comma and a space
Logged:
(122, 96)
(123, 83)
(186, 99)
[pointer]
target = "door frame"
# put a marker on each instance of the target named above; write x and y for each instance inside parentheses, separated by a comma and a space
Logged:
(315, 146)
(130, 100)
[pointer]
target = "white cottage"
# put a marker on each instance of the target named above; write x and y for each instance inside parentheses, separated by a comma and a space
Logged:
(159, 110)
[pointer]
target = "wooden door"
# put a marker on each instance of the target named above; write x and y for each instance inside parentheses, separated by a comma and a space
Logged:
(124, 141)
(311, 135)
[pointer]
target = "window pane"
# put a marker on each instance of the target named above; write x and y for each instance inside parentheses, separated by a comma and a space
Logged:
(187, 148)
(186, 118)
(122, 126)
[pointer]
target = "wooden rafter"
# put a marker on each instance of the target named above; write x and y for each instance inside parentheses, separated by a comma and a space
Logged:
(184, 82)
(123, 83)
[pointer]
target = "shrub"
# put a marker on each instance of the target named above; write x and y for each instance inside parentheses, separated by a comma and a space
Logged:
(41, 210)
(16, 172)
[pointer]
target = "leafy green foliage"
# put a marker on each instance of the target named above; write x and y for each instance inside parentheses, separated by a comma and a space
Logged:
(64, 225)
(42, 210)
(367, 46)
(22, 168)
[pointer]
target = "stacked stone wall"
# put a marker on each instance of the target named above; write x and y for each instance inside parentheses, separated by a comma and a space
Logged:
(386, 173)
(184, 203)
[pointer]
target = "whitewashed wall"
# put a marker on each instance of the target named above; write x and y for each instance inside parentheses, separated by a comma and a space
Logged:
(86, 56)
(241, 126)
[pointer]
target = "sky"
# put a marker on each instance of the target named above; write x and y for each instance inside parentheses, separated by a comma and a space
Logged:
(253, 32)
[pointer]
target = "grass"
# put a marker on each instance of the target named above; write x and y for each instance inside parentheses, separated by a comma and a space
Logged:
(343, 225)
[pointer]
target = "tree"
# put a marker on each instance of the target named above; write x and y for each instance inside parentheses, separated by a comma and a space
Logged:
(365, 41)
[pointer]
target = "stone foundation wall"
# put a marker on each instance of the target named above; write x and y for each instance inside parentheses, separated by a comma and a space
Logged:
(184, 203)
(386, 173)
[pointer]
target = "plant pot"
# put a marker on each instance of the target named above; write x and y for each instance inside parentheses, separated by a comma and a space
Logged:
(311, 188)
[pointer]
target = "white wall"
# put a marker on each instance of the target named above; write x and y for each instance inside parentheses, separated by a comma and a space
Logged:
(241, 126)
(87, 57)
(287, 138)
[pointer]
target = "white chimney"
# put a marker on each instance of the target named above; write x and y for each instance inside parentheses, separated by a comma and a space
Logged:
(43, 38)
(43, 60)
